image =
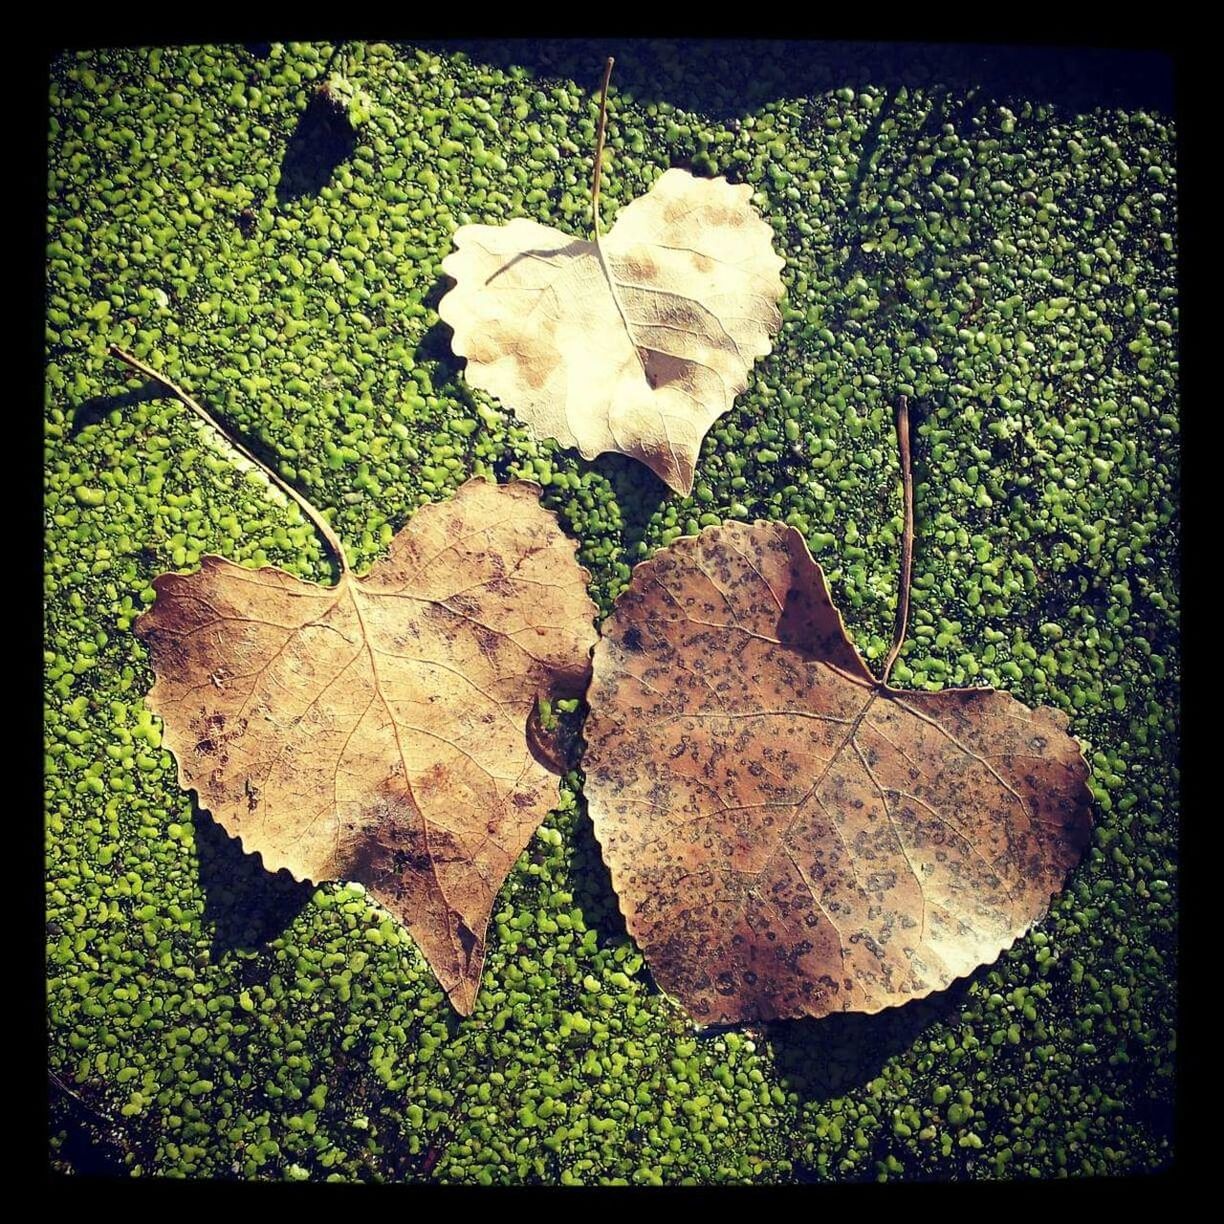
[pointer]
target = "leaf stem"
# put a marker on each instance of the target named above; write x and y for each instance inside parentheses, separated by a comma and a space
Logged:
(336, 50)
(907, 537)
(76, 1096)
(323, 527)
(599, 251)
(599, 143)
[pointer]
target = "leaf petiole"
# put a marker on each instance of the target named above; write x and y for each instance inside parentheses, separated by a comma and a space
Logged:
(323, 527)
(599, 143)
(907, 538)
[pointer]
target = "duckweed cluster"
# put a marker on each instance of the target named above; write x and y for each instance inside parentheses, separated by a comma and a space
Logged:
(1008, 264)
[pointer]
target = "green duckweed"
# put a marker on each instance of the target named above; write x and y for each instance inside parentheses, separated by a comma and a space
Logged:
(1012, 268)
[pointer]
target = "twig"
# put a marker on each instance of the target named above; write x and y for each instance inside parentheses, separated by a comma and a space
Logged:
(599, 143)
(332, 59)
(80, 1100)
(323, 527)
(599, 251)
(907, 538)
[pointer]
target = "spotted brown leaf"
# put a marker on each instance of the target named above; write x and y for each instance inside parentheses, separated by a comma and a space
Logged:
(787, 835)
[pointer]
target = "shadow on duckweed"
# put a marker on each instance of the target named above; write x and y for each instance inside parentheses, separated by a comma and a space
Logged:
(638, 492)
(89, 1144)
(827, 1058)
(729, 78)
(437, 342)
(593, 886)
(246, 905)
(96, 409)
(322, 139)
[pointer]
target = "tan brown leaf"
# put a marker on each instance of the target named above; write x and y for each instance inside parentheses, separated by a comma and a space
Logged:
(787, 836)
(635, 344)
(376, 730)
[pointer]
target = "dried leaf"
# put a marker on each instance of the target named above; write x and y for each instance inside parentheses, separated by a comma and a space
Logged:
(634, 344)
(787, 836)
(376, 731)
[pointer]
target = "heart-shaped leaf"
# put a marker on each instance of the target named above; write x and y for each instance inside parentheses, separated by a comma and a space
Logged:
(635, 342)
(378, 730)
